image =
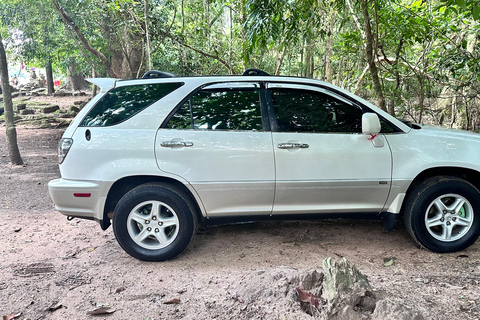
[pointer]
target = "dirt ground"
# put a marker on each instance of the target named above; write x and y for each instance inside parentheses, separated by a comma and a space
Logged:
(51, 268)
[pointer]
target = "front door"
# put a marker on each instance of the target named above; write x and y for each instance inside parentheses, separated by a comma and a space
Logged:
(324, 164)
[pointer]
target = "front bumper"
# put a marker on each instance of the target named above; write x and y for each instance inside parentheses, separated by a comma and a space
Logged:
(82, 199)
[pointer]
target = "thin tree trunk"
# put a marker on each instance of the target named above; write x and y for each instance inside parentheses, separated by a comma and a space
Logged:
(309, 64)
(280, 60)
(465, 102)
(50, 84)
(247, 63)
(183, 17)
(454, 111)
(147, 33)
(339, 72)
(94, 89)
(11, 131)
(370, 57)
(421, 98)
(360, 80)
(329, 47)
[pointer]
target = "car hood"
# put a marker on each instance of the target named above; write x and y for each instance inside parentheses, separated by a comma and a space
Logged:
(448, 133)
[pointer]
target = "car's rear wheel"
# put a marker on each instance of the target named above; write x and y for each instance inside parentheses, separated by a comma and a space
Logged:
(154, 222)
(443, 214)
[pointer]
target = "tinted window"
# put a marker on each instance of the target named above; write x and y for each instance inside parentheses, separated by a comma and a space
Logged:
(124, 102)
(310, 111)
(220, 109)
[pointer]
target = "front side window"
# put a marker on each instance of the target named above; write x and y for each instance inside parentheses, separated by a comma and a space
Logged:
(122, 103)
(310, 111)
(220, 109)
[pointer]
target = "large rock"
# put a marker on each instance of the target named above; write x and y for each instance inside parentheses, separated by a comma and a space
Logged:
(73, 109)
(27, 111)
(62, 93)
(21, 106)
(346, 290)
(78, 102)
(50, 109)
(40, 91)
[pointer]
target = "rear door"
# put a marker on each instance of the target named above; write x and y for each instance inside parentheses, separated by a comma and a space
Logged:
(217, 140)
(323, 162)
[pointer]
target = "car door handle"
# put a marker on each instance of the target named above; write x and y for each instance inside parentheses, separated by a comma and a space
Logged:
(176, 144)
(290, 145)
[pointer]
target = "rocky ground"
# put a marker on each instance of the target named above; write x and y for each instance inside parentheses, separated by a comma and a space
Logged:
(51, 268)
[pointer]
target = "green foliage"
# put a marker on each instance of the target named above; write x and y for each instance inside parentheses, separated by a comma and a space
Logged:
(467, 7)
(422, 48)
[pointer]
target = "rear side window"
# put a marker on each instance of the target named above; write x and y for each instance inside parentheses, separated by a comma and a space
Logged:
(220, 109)
(122, 103)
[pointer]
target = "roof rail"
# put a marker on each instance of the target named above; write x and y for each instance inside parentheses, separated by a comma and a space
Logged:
(255, 72)
(157, 74)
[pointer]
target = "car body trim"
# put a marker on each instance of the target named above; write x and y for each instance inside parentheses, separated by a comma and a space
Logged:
(397, 203)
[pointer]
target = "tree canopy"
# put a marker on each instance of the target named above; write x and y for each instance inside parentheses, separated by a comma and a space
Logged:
(416, 59)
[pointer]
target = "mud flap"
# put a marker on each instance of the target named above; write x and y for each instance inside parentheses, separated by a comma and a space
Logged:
(390, 220)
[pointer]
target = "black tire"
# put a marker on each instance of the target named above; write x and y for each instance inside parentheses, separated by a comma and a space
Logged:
(171, 226)
(454, 227)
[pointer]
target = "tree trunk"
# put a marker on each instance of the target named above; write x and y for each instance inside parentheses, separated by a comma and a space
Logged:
(147, 34)
(454, 111)
(308, 64)
(339, 79)
(11, 131)
(329, 46)
(370, 57)
(421, 98)
(94, 87)
(280, 60)
(132, 54)
(50, 84)
(247, 63)
(76, 81)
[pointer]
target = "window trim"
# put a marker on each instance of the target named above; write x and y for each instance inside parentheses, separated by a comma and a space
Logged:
(308, 88)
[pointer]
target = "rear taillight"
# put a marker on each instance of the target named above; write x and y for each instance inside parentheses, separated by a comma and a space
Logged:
(63, 146)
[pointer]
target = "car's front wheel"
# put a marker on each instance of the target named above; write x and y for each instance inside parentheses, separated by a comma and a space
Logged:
(443, 214)
(154, 222)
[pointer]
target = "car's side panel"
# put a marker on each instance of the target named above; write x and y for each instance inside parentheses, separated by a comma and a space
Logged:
(110, 154)
(425, 149)
(336, 173)
(232, 171)
(92, 166)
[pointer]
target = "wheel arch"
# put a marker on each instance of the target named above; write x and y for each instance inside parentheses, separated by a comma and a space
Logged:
(123, 185)
(467, 174)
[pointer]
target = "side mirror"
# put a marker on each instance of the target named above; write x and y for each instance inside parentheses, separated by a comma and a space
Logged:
(370, 124)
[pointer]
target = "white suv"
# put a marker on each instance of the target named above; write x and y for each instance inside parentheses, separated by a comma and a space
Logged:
(159, 155)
